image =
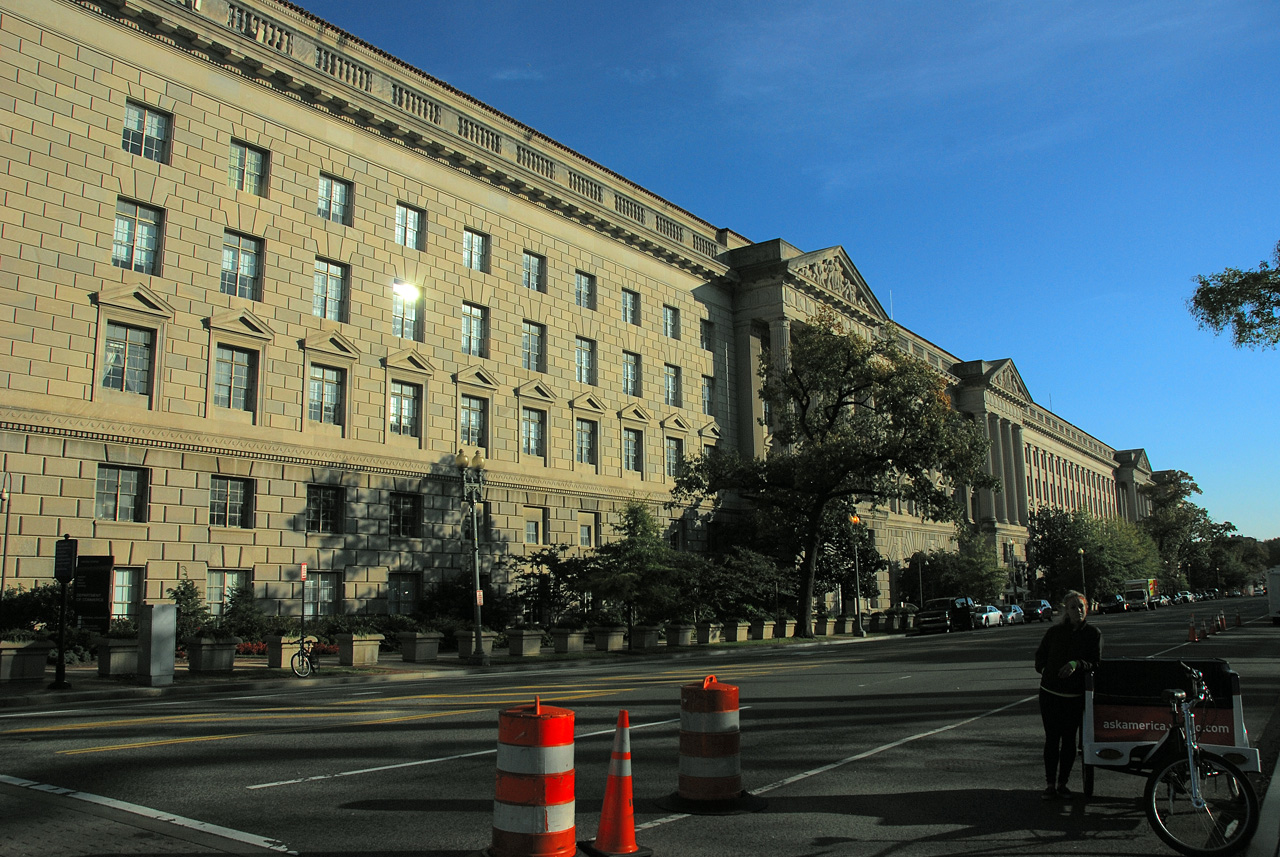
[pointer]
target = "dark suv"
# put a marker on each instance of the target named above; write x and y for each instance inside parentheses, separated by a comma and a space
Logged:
(1038, 609)
(1112, 604)
(946, 614)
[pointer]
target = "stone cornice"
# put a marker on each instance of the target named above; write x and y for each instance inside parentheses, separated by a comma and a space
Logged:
(301, 57)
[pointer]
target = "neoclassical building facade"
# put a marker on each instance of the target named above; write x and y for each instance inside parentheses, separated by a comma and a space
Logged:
(260, 282)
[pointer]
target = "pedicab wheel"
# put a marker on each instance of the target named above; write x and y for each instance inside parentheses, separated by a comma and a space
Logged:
(1086, 776)
(301, 665)
(1226, 822)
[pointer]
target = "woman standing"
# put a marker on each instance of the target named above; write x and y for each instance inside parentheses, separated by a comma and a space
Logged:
(1069, 650)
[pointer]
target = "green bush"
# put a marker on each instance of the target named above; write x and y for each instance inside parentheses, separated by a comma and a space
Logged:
(193, 613)
(243, 617)
(35, 609)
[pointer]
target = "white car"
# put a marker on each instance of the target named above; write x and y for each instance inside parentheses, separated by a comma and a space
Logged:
(987, 616)
(1012, 615)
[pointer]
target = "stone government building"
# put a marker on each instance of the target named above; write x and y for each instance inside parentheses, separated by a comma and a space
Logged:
(260, 281)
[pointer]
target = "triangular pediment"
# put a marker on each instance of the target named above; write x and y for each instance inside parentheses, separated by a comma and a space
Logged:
(411, 360)
(588, 402)
(636, 413)
(1135, 458)
(136, 298)
(476, 376)
(676, 423)
(242, 323)
(332, 342)
(833, 271)
(536, 390)
(1005, 376)
(710, 432)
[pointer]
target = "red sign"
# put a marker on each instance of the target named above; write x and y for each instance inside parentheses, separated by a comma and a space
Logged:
(304, 571)
(480, 597)
(1150, 723)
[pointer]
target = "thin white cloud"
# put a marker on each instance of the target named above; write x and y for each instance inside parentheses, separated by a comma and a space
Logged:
(529, 73)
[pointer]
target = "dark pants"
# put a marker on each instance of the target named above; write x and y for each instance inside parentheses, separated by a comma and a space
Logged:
(1061, 716)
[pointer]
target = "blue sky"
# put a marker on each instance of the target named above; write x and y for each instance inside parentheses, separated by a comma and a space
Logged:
(1031, 180)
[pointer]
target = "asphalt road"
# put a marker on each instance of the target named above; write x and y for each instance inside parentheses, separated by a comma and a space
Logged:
(903, 746)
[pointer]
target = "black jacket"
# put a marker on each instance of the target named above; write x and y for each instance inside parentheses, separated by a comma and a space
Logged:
(1064, 643)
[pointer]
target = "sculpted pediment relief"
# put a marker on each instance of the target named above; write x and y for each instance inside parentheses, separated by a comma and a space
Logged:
(135, 298)
(1005, 376)
(833, 271)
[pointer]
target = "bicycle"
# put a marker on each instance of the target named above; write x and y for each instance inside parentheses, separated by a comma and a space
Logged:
(1197, 802)
(305, 660)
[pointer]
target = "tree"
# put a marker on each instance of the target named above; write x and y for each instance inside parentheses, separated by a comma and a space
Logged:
(193, 613)
(639, 571)
(1114, 551)
(970, 570)
(1175, 523)
(856, 420)
(1246, 301)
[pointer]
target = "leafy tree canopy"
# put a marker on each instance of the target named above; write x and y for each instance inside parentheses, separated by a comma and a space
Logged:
(1113, 552)
(1248, 302)
(1175, 523)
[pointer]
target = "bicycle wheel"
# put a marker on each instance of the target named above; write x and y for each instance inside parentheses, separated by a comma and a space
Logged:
(301, 665)
(1224, 825)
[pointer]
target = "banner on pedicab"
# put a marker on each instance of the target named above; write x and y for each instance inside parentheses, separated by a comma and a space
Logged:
(1142, 723)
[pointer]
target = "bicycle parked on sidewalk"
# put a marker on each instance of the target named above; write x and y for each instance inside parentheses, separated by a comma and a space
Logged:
(306, 660)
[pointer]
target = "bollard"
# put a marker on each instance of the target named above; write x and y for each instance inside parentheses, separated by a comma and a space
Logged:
(710, 766)
(534, 794)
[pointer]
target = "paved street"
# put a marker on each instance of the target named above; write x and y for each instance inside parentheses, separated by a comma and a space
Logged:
(909, 746)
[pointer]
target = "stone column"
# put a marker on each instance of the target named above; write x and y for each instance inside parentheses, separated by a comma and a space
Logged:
(750, 408)
(986, 497)
(1011, 455)
(997, 467)
(1020, 475)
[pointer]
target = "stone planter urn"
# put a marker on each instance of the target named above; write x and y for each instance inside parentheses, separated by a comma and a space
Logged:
(419, 647)
(644, 637)
(524, 642)
(211, 655)
(358, 650)
(759, 628)
(680, 634)
(877, 622)
(609, 638)
(820, 625)
(709, 633)
(784, 628)
(24, 660)
(567, 640)
(734, 630)
(467, 643)
(841, 625)
(117, 657)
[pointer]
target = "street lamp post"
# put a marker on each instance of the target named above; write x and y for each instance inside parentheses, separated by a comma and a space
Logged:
(920, 580)
(1084, 587)
(472, 474)
(859, 631)
(6, 488)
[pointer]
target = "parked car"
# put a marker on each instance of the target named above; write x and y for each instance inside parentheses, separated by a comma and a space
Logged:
(1112, 604)
(988, 616)
(1013, 615)
(1184, 597)
(1037, 609)
(946, 614)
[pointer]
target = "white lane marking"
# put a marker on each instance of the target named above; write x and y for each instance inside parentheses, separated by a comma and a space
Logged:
(155, 814)
(418, 762)
(856, 758)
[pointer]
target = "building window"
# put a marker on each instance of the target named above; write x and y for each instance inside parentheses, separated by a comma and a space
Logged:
(325, 508)
(674, 456)
(533, 432)
(584, 290)
(630, 374)
(406, 311)
(220, 585)
(588, 524)
(320, 593)
(129, 354)
(474, 329)
(632, 450)
(329, 298)
(120, 494)
(671, 385)
(146, 132)
(670, 322)
(135, 244)
(335, 200)
(584, 358)
(475, 250)
(535, 525)
(231, 502)
(533, 347)
(708, 395)
(630, 307)
(235, 377)
(534, 274)
(247, 170)
(405, 406)
(241, 265)
(402, 593)
(406, 516)
(409, 226)
(325, 402)
(126, 592)
(585, 435)
(707, 335)
(471, 422)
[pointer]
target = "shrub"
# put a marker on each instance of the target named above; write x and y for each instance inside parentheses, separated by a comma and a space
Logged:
(193, 613)
(243, 617)
(35, 609)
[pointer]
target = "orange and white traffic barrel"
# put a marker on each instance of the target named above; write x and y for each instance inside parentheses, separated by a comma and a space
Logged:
(533, 808)
(710, 761)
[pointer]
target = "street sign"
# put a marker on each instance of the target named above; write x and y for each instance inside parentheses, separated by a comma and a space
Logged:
(93, 591)
(304, 572)
(480, 597)
(64, 560)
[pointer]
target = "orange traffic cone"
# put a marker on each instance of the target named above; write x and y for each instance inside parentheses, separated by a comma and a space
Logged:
(1206, 630)
(1192, 636)
(617, 832)
(1222, 620)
